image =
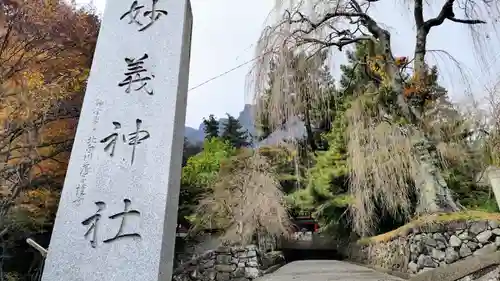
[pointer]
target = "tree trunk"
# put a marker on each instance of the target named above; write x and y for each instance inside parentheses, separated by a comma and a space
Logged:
(434, 194)
(420, 50)
(307, 123)
(309, 131)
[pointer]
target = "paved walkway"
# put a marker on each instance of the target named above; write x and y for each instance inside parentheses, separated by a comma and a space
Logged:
(326, 270)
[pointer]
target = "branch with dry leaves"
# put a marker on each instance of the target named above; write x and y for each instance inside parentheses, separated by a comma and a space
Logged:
(17, 176)
(46, 49)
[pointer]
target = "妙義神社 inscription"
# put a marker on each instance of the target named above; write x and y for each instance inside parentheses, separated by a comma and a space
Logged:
(132, 139)
(117, 222)
(93, 223)
(135, 75)
(136, 12)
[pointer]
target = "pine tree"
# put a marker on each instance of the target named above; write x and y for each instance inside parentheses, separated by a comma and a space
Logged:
(326, 193)
(211, 127)
(234, 133)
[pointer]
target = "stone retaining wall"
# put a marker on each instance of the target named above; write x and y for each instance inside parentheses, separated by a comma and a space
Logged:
(425, 248)
(227, 264)
(430, 250)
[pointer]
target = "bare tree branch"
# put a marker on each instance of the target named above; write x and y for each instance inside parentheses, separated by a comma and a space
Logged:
(423, 29)
(339, 43)
(447, 13)
(44, 59)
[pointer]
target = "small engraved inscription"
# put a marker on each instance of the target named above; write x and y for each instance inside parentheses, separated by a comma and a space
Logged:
(87, 157)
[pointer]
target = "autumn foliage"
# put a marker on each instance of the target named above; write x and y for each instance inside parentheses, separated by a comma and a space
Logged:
(46, 50)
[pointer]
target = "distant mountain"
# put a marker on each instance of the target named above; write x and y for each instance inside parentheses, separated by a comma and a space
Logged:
(293, 129)
(194, 135)
(245, 118)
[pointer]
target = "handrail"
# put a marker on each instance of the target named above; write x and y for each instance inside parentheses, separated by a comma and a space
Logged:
(37, 247)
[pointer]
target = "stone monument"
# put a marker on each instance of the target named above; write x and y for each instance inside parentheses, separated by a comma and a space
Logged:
(492, 174)
(118, 210)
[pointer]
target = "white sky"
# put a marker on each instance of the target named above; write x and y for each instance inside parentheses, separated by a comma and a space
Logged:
(224, 33)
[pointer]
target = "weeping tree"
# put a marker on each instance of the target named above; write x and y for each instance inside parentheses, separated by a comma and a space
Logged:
(487, 142)
(309, 98)
(391, 146)
(246, 199)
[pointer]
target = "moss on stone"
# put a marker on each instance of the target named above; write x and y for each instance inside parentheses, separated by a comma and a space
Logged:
(430, 222)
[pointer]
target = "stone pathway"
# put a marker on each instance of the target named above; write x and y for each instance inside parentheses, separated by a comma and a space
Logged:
(326, 270)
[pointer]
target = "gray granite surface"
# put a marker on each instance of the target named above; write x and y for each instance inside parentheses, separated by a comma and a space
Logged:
(117, 215)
